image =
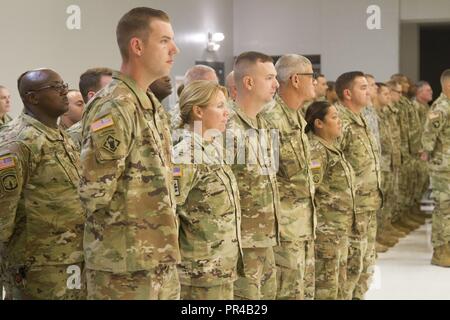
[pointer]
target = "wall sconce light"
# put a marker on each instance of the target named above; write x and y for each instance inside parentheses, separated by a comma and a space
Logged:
(213, 40)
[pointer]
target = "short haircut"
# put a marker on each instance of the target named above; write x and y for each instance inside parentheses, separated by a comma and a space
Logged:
(392, 84)
(290, 64)
(367, 75)
(245, 61)
(421, 83)
(197, 93)
(380, 86)
(345, 81)
(136, 23)
(445, 76)
(90, 80)
(198, 72)
(331, 86)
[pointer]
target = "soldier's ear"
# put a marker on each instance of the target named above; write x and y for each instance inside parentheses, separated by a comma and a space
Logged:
(318, 124)
(347, 94)
(248, 82)
(136, 46)
(197, 113)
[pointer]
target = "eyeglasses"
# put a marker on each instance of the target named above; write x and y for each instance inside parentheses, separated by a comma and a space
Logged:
(314, 75)
(61, 87)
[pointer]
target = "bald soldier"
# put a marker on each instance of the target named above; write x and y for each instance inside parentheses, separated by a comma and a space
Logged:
(42, 220)
(5, 105)
(361, 150)
(131, 236)
(295, 256)
(253, 165)
(436, 142)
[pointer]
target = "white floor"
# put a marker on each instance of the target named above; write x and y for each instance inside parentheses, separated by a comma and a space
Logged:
(404, 272)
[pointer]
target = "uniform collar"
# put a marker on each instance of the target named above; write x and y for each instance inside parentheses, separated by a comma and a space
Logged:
(50, 133)
(358, 119)
(241, 114)
(290, 114)
(146, 99)
(325, 143)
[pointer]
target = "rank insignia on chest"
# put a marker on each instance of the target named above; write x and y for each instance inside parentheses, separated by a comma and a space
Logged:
(316, 178)
(6, 162)
(177, 172)
(111, 143)
(176, 187)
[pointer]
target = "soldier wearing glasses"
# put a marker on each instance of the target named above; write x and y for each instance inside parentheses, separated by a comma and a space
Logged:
(41, 220)
(294, 257)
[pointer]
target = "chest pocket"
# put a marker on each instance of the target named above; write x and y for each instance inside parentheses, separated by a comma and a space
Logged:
(56, 168)
(291, 154)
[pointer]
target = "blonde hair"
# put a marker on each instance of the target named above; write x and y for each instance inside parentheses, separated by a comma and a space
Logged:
(198, 93)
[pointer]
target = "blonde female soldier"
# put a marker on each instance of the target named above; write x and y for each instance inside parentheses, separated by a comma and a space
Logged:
(207, 196)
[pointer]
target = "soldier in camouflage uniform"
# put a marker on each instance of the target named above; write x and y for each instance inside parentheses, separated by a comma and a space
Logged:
(369, 111)
(436, 142)
(410, 149)
(361, 150)
(390, 164)
(207, 196)
(335, 199)
(5, 106)
(251, 155)
(295, 256)
(91, 81)
(131, 236)
(42, 219)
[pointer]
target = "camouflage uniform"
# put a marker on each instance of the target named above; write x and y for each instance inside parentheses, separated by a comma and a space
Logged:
(361, 150)
(75, 134)
(131, 234)
(295, 256)
(210, 219)
(42, 220)
(335, 199)
(436, 141)
(389, 164)
(259, 204)
(4, 120)
(423, 178)
(410, 149)
(371, 118)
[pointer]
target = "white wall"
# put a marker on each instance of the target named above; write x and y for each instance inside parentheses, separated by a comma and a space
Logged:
(34, 34)
(334, 29)
(409, 50)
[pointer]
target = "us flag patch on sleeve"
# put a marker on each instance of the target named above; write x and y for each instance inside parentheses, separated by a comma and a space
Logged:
(177, 172)
(7, 162)
(102, 124)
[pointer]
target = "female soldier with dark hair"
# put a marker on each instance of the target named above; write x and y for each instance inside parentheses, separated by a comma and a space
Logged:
(335, 199)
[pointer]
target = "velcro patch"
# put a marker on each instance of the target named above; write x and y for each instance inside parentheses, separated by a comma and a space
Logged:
(7, 162)
(433, 115)
(111, 143)
(103, 123)
(315, 164)
(176, 187)
(177, 172)
(9, 182)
